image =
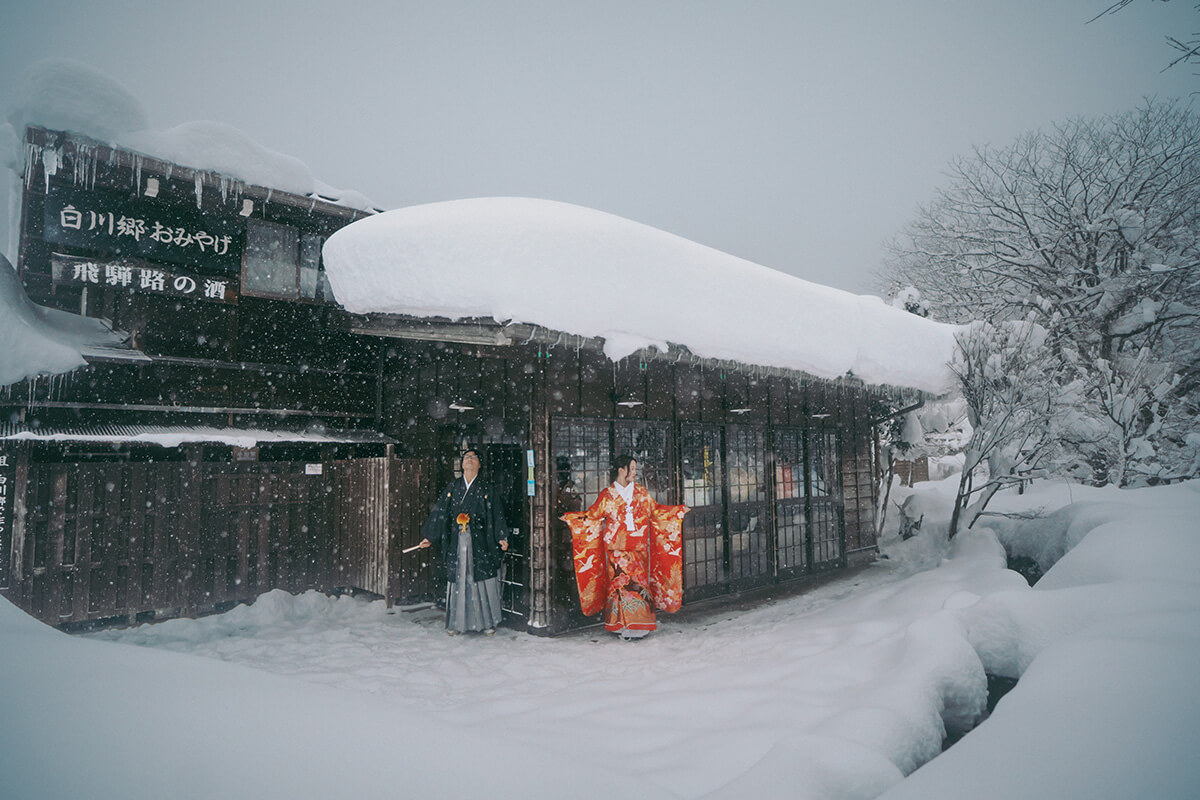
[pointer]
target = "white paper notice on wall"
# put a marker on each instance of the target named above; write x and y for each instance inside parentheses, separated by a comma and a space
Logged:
(314, 469)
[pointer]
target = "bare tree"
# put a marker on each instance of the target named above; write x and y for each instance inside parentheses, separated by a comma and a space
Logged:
(1092, 231)
(1188, 50)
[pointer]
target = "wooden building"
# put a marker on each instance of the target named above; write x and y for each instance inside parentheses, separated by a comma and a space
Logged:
(132, 498)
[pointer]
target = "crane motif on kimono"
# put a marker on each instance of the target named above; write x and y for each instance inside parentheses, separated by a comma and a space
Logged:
(628, 559)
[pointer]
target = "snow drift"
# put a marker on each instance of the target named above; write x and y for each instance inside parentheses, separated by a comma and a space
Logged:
(41, 341)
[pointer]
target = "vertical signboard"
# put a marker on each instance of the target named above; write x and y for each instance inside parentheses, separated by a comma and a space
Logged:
(8, 482)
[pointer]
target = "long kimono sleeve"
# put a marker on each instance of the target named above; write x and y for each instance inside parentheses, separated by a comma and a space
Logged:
(666, 556)
(587, 551)
(435, 527)
(496, 514)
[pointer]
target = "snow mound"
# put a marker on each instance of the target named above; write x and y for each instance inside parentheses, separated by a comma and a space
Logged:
(41, 341)
(594, 274)
(147, 723)
(1105, 645)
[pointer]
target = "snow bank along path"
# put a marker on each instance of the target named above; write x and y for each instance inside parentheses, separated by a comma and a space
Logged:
(586, 272)
(1106, 646)
(837, 693)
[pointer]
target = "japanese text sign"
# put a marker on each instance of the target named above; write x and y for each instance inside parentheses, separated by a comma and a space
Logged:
(7, 500)
(137, 277)
(113, 222)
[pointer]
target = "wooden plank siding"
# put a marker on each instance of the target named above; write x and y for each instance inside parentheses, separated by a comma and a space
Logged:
(361, 511)
(415, 575)
(154, 545)
(139, 540)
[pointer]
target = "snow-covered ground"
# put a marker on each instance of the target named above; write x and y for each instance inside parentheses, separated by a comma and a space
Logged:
(836, 693)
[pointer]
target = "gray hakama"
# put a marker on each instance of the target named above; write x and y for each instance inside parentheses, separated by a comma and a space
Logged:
(471, 605)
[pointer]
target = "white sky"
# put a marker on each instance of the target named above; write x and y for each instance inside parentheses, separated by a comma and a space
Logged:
(799, 135)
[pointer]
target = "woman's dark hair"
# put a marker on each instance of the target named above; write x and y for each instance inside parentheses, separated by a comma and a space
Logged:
(620, 462)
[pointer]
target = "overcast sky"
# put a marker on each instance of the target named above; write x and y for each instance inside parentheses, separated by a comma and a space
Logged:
(800, 135)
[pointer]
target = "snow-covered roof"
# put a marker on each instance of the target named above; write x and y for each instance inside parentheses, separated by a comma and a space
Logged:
(585, 272)
(65, 95)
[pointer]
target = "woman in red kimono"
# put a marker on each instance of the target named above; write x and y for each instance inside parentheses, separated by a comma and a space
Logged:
(627, 552)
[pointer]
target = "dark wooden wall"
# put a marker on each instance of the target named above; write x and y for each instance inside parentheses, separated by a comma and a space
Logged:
(138, 539)
(151, 539)
(516, 392)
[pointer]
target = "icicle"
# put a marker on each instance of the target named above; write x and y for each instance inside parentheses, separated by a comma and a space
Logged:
(137, 173)
(50, 163)
(79, 166)
(199, 181)
(31, 157)
(84, 166)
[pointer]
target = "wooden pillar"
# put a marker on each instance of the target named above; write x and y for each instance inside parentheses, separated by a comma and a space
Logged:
(540, 557)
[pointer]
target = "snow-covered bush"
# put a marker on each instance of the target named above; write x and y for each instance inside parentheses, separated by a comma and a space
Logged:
(1013, 408)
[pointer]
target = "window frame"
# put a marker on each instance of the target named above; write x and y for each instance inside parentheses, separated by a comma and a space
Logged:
(303, 241)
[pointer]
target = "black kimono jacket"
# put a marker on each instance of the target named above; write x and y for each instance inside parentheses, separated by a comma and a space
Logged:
(486, 526)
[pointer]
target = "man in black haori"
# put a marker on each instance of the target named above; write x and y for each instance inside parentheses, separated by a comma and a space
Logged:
(467, 522)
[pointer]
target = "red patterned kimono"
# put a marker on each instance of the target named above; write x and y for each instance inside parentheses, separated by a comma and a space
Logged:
(627, 572)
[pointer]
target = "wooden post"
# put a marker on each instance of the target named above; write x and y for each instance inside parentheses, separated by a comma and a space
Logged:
(390, 549)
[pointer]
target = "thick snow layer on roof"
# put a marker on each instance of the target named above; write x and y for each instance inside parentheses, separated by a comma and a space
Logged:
(66, 95)
(586, 272)
(61, 94)
(41, 341)
(217, 147)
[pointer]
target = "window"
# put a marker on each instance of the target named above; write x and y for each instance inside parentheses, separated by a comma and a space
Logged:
(310, 265)
(282, 262)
